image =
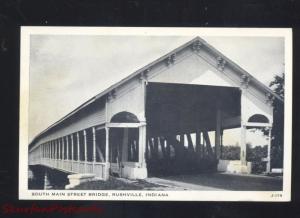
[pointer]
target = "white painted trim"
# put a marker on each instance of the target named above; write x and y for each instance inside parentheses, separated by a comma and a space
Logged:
(124, 125)
(249, 124)
(100, 127)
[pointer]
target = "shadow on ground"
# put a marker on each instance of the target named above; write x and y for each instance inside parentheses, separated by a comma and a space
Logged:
(209, 181)
(231, 182)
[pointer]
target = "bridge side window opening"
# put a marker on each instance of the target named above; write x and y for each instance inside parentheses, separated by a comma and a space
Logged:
(75, 154)
(258, 118)
(124, 144)
(81, 146)
(133, 145)
(100, 145)
(89, 141)
(258, 142)
(124, 140)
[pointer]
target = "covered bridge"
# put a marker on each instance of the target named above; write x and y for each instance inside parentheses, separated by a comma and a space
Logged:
(157, 119)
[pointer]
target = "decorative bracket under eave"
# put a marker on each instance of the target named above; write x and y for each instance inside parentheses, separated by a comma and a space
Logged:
(144, 76)
(196, 46)
(221, 62)
(171, 59)
(245, 81)
(111, 95)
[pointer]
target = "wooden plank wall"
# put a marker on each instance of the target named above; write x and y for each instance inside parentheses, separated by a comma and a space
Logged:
(93, 115)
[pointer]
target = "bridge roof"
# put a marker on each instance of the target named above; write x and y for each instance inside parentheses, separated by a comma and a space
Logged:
(157, 61)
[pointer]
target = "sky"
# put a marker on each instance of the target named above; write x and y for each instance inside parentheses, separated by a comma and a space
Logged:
(67, 70)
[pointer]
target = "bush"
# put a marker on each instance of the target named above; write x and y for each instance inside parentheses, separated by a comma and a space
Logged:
(254, 155)
(231, 152)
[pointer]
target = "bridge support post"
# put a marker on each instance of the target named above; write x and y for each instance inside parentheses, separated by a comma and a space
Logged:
(85, 150)
(51, 150)
(94, 148)
(62, 153)
(107, 165)
(67, 143)
(218, 135)
(243, 145)
(46, 146)
(67, 163)
(40, 149)
(46, 149)
(269, 151)
(63, 148)
(141, 172)
(55, 156)
(72, 152)
(59, 157)
(78, 151)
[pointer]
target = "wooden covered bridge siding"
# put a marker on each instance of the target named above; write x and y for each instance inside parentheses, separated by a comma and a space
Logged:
(195, 63)
(78, 145)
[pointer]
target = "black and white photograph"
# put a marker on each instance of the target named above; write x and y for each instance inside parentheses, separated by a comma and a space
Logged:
(199, 114)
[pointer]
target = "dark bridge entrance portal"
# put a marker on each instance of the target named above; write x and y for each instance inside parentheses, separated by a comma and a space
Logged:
(179, 119)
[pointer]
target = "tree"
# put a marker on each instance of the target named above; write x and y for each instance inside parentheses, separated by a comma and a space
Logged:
(277, 85)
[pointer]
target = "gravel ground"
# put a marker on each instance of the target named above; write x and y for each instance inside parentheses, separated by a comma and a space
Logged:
(209, 181)
(117, 184)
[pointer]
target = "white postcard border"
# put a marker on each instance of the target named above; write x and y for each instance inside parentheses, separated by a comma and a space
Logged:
(24, 193)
